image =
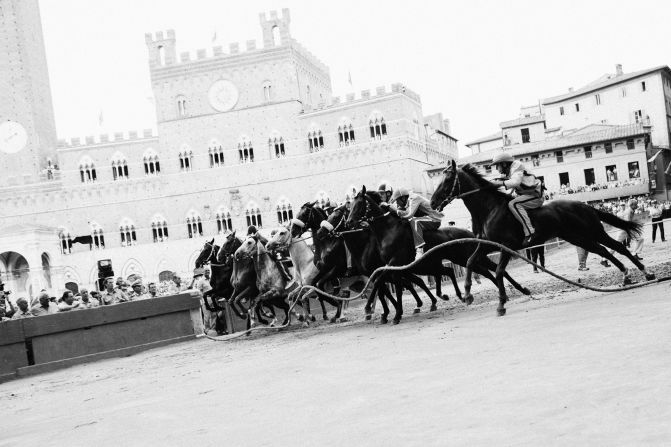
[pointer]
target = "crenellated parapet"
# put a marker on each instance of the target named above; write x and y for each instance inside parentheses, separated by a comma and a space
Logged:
(352, 98)
(116, 138)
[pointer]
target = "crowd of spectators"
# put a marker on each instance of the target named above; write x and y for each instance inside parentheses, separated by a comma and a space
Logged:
(646, 206)
(568, 189)
(114, 292)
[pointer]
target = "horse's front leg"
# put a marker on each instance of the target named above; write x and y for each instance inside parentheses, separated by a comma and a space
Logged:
(468, 297)
(500, 270)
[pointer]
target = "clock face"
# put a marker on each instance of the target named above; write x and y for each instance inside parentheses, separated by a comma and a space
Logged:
(223, 95)
(13, 137)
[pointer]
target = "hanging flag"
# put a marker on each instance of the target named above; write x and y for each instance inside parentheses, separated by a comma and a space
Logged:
(349, 78)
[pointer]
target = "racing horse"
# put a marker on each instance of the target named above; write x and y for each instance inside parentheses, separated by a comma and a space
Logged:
(575, 222)
(306, 271)
(396, 247)
(220, 283)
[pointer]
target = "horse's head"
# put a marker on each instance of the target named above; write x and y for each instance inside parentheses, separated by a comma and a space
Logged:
(247, 249)
(307, 217)
(358, 208)
(335, 221)
(281, 238)
(447, 189)
(206, 253)
(231, 243)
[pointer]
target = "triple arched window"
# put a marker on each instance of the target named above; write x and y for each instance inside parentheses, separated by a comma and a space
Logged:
(127, 233)
(216, 153)
(87, 170)
(253, 215)
(97, 235)
(245, 151)
(186, 159)
(159, 228)
(194, 225)
(224, 222)
(345, 134)
(119, 166)
(378, 127)
(151, 163)
(284, 211)
(315, 140)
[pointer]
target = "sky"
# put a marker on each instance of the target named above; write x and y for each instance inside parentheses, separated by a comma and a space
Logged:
(475, 61)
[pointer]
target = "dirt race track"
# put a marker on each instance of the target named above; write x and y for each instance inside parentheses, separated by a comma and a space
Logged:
(572, 368)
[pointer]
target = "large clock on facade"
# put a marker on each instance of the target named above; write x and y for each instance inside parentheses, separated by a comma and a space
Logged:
(223, 95)
(13, 137)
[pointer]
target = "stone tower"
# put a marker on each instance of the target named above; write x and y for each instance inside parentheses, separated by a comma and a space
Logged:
(27, 125)
(268, 27)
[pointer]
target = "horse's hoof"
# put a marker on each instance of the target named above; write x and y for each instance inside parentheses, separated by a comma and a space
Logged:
(433, 308)
(396, 320)
(326, 317)
(383, 320)
(468, 300)
(526, 291)
(312, 318)
(417, 310)
(650, 277)
(501, 312)
(444, 297)
(627, 281)
(301, 318)
(369, 316)
(333, 320)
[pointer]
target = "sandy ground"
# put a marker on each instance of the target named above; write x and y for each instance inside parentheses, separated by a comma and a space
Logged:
(570, 368)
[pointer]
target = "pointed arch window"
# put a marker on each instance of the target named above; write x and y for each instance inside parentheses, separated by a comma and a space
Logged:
(127, 233)
(345, 134)
(159, 229)
(267, 91)
(186, 159)
(181, 106)
(224, 222)
(277, 146)
(66, 242)
(216, 153)
(119, 166)
(97, 235)
(151, 163)
(87, 170)
(284, 212)
(378, 128)
(253, 215)
(315, 140)
(246, 151)
(194, 225)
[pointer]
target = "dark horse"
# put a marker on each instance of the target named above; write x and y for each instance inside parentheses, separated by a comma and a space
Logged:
(396, 230)
(220, 281)
(575, 222)
(310, 218)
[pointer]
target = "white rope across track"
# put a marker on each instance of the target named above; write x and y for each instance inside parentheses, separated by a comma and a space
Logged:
(400, 268)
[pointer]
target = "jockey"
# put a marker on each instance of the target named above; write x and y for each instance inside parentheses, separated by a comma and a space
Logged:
(527, 189)
(418, 211)
(385, 191)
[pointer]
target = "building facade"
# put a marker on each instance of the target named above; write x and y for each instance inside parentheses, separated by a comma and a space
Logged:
(245, 136)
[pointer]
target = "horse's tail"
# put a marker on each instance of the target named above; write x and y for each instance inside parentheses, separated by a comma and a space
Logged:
(629, 227)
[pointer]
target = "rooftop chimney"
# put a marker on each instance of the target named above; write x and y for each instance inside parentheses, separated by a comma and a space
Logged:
(618, 70)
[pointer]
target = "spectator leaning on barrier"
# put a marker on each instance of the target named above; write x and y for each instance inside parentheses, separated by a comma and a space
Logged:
(87, 301)
(111, 295)
(152, 292)
(45, 307)
(23, 309)
(67, 302)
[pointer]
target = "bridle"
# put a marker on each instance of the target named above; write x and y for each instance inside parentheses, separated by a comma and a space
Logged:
(455, 191)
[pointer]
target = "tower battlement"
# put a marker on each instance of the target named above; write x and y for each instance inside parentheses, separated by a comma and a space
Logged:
(116, 137)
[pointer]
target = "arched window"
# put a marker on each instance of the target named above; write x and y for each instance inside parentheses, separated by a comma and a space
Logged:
(315, 140)
(181, 106)
(267, 91)
(276, 144)
(245, 150)
(186, 159)
(65, 238)
(119, 166)
(284, 211)
(322, 199)
(127, 233)
(378, 127)
(276, 36)
(224, 222)
(151, 164)
(216, 153)
(87, 170)
(345, 133)
(253, 214)
(194, 225)
(159, 228)
(161, 55)
(97, 235)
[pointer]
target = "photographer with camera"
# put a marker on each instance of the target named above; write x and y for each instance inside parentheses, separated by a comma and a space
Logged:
(7, 309)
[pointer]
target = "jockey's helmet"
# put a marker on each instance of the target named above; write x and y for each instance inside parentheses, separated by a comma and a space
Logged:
(384, 187)
(251, 230)
(400, 192)
(502, 157)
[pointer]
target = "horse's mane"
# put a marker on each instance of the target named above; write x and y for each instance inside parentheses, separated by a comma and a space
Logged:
(476, 175)
(376, 196)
